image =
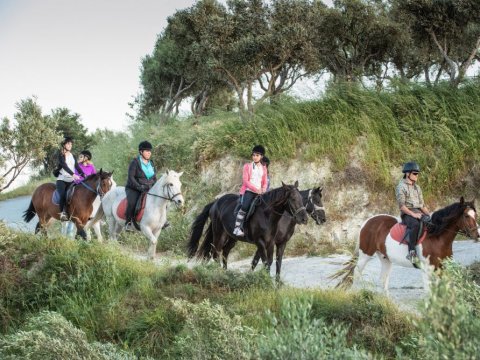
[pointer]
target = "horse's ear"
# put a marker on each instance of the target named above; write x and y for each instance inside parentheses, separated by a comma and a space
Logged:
(167, 171)
(320, 188)
(283, 184)
(112, 172)
(100, 171)
(462, 200)
(296, 184)
(180, 174)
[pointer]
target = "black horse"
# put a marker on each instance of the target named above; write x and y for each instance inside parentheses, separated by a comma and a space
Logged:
(312, 200)
(260, 228)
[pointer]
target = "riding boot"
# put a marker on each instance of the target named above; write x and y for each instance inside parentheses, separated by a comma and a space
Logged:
(238, 231)
(411, 240)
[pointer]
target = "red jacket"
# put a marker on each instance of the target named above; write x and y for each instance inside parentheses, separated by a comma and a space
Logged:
(247, 175)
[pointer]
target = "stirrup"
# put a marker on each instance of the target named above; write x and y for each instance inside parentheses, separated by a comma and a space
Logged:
(412, 256)
(129, 227)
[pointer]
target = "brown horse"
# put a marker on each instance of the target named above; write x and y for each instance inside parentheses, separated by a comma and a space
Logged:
(375, 238)
(79, 204)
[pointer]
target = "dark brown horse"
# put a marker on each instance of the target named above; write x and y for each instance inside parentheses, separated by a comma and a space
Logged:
(312, 200)
(259, 229)
(375, 238)
(79, 206)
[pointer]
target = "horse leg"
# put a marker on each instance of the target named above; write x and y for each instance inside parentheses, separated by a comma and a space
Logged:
(255, 260)
(81, 232)
(280, 251)
(112, 228)
(226, 250)
(152, 248)
(98, 232)
(386, 270)
(261, 247)
(363, 259)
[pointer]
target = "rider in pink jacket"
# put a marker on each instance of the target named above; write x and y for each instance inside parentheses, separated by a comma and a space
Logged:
(254, 183)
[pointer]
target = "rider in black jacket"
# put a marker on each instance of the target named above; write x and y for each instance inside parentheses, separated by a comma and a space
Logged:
(141, 177)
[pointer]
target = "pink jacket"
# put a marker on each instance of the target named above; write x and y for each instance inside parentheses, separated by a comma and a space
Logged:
(247, 175)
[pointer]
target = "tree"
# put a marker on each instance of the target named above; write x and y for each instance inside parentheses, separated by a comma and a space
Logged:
(355, 38)
(67, 124)
(451, 28)
(26, 141)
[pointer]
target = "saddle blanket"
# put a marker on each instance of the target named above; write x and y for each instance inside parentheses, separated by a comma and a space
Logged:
(397, 232)
(122, 207)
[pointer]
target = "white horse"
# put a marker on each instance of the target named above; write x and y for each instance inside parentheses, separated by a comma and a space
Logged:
(68, 227)
(167, 189)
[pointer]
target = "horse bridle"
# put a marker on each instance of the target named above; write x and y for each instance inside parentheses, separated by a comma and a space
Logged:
(290, 207)
(465, 231)
(98, 190)
(315, 207)
(170, 196)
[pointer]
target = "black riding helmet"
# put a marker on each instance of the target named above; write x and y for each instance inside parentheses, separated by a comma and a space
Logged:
(87, 154)
(259, 149)
(145, 145)
(410, 166)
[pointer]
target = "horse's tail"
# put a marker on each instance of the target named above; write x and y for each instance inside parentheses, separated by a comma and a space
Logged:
(30, 213)
(205, 251)
(197, 230)
(345, 274)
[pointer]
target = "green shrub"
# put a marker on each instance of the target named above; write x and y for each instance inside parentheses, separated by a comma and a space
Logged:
(294, 334)
(49, 336)
(450, 325)
(210, 333)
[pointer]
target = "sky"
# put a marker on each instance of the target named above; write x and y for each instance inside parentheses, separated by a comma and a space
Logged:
(84, 55)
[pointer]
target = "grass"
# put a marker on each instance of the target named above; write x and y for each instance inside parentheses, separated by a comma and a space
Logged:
(113, 298)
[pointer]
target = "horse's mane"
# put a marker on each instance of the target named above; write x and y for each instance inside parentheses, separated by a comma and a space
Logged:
(91, 176)
(275, 196)
(443, 218)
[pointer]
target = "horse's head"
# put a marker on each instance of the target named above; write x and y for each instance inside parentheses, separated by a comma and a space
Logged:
(295, 203)
(104, 183)
(467, 223)
(315, 207)
(172, 187)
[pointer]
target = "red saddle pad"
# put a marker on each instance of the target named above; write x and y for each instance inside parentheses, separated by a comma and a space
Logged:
(122, 207)
(398, 231)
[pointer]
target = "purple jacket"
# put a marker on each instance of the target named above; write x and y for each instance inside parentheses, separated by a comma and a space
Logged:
(88, 169)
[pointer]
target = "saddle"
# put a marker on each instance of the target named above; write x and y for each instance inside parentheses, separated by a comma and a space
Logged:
(398, 233)
(139, 208)
(69, 195)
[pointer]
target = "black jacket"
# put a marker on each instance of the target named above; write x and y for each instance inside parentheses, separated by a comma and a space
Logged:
(61, 164)
(136, 178)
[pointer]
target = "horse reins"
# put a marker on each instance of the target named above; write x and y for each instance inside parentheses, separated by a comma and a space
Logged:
(170, 196)
(292, 213)
(98, 190)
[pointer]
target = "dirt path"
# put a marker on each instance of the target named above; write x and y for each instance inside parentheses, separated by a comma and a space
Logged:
(406, 286)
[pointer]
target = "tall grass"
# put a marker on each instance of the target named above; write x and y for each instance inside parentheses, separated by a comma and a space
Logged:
(439, 127)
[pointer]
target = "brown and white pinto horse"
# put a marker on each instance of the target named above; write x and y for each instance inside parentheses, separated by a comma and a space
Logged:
(79, 207)
(375, 238)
